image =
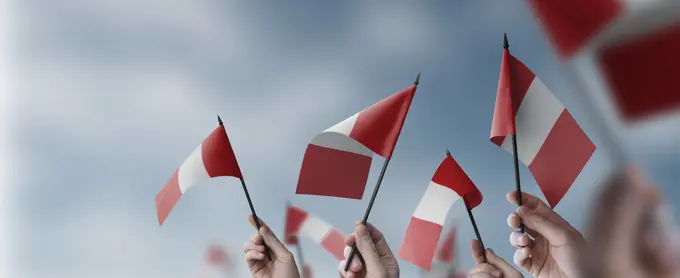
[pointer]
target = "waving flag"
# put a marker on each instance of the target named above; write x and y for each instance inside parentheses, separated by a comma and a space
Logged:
(338, 160)
(217, 262)
(448, 185)
(632, 44)
(300, 222)
(443, 265)
(549, 141)
(213, 158)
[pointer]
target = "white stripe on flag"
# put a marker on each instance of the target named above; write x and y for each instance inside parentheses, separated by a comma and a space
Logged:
(435, 204)
(192, 170)
(535, 118)
(315, 228)
(345, 127)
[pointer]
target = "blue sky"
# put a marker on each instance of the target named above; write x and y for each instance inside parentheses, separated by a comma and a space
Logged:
(115, 95)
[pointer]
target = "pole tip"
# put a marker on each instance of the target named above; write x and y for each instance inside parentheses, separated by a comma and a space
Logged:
(506, 45)
(448, 153)
(219, 120)
(417, 81)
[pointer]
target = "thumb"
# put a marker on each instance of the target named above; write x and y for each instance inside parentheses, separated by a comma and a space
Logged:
(269, 237)
(498, 262)
(555, 234)
(366, 247)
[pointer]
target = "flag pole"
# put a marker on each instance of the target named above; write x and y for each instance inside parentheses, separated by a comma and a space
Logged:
(518, 186)
(472, 219)
(375, 193)
(250, 203)
(298, 250)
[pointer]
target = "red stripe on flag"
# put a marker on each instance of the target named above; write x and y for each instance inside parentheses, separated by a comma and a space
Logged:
(451, 175)
(503, 123)
(378, 126)
(643, 74)
(167, 198)
(218, 156)
(420, 242)
(571, 24)
(334, 242)
(563, 155)
(331, 172)
(294, 219)
(522, 77)
(445, 252)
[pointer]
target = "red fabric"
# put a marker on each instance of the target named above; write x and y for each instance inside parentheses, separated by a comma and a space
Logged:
(331, 172)
(335, 244)
(294, 219)
(571, 24)
(560, 160)
(449, 174)
(378, 126)
(218, 156)
(420, 242)
(167, 198)
(513, 84)
(217, 255)
(503, 123)
(445, 251)
(643, 73)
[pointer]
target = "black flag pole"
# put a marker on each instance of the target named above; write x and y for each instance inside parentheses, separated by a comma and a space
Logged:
(472, 220)
(250, 203)
(518, 186)
(375, 194)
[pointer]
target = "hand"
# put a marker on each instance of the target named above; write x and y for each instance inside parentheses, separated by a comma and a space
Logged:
(495, 267)
(627, 231)
(282, 264)
(553, 252)
(378, 259)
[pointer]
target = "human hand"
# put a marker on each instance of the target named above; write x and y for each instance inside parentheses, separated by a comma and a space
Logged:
(630, 237)
(495, 267)
(282, 264)
(553, 251)
(378, 259)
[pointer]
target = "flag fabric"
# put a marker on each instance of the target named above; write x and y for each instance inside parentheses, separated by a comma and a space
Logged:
(300, 222)
(448, 185)
(337, 161)
(633, 46)
(213, 158)
(443, 265)
(549, 141)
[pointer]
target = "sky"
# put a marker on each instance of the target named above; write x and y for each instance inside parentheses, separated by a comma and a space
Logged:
(113, 96)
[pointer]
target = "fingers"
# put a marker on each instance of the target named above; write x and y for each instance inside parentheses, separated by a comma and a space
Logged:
(514, 221)
(254, 256)
(535, 204)
(499, 263)
(365, 246)
(255, 243)
(270, 238)
(355, 265)
(378, 239)
(554, 233)
(484, 270)
(522, 258)
(346, 274)
(519, 240)
(477, 252)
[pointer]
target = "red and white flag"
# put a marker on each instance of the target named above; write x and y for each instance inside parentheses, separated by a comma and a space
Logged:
(632, 46)
(213, 158)
(302, 223)
(549, 141)
(448, 185)
(338, 160)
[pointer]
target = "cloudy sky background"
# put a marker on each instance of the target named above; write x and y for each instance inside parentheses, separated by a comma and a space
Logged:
(112, 96)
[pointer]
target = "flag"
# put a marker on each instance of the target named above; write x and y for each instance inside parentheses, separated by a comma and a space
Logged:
(549, 141)
(213, 158)
(300, 222)
(633, 46)
(337, 161)
(448, 185)
(445, 251)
